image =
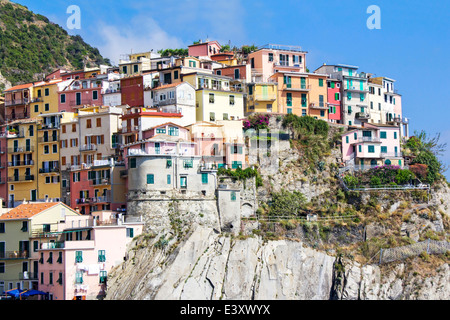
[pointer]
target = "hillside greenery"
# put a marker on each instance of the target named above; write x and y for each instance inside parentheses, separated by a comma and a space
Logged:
(30, 45)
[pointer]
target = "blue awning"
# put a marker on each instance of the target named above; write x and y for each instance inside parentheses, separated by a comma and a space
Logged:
(33, 293)
(15, 293)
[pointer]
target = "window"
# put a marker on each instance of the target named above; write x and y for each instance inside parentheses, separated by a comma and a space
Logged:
(135, 68)
(78, 256)
(46, 107)
(88, 123)
(289, 99)
(55, 148)
(371, 149)
(169, 179)
(46, 150)
(360, 148)
(130, 232)
(188, 164)
(233, 196)
(270, 57)
(101, 256)
(133, 163)
(322, 113)
(175, 74)
(383, 134)
(320, 82)
(337, 96)
(36, 108)
(395, 135)
(231, 100)
(383, 149)
(24, 226)
(346, 139)
(79, 277)
(99, 122)
(174, 131)
(150, 179)
(212, 116)
(225, 116)
(46, 92)
(211, 98)
(161, 130)
(2, 227)
(204, 178)
(103, 277)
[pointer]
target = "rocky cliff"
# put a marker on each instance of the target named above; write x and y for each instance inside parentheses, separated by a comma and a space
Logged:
(335, 257)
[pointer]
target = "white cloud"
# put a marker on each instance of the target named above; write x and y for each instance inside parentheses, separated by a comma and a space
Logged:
(139, 35)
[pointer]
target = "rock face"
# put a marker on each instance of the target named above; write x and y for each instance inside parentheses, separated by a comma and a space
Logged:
(211, 266)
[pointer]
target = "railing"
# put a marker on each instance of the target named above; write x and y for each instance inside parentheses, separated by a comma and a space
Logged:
(320, 105)
(19, 254)
(21, 179)
(16, 102)
(52, 245)
(263, 97)
(164, 102)
(391, 154)
(100, 182)
(21, 163)
(396, 119)
(49, 170)
(15, 135)
(47, 139)
(369, 139)
(356, 88)
(88, 147)
(15, 116)
(21, 149)
(26, 275)
(303, 87)
(101, 199)
(362, 115)
(107, 91)
(83, 201)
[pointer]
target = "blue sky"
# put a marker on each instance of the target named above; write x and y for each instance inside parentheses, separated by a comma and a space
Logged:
(411, 46)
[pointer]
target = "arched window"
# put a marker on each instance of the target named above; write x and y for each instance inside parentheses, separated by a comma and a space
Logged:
(388, 162)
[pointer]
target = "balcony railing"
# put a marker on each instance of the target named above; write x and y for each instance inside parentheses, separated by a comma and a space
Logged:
(303, 87)
(19, 254)
(26, 275)
(88, 147)
(263, 97)
(369, 139)
(49, 170)
(16, 102)
(15, 135)
(47, 139)
(21, 179)
(101, 199)
(21, 149)
(357, 88)
(318, 105)
(21, 163)
(100, 182)
(391, 154)
(83, 201)
(362, 115)
(15, 116)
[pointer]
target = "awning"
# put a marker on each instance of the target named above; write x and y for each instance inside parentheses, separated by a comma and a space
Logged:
(32, 293)
(15, 293)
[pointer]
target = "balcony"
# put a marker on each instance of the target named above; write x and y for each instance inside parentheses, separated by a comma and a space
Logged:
(21, 150)
(318, 105)
(362, 115)
(103, 199)
(88, 148)
(100, 182)
(47, 139)
(357, 89)
(13, 255)
(395, 120)
(15, 134)
(368, 139)
(15, 116)
(301, 88)
(165, 102)
(391, 154)
(25, 163)
(21, 179)
(26, 275)
(16, 102)
(264, 97)
(83, 201)
(49, 170)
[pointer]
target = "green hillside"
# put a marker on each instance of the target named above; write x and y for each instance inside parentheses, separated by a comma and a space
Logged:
(31, 45)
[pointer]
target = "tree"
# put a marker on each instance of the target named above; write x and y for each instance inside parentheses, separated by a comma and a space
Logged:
(285, 203)
(225, 48)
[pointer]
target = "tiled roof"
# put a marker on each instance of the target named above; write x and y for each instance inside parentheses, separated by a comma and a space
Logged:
(165, 86)
(27, 210)
(20, 87)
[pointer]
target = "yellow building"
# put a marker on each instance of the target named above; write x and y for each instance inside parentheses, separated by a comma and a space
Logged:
(215, 98)
(318, 96)
(45, 95)
(22, 161)
(19, 241)
(262, 98)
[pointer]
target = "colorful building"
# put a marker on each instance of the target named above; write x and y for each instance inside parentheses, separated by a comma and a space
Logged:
(17, 102)
(272, 58)
(334, 101)
(216, 100)
(372, 145)
(262, 98)
(77, 253)
(19, 245)
(204, 49)
(80, 93)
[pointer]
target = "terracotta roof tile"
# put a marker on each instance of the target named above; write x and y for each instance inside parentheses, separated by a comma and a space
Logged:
(19, 87)
(28, 210)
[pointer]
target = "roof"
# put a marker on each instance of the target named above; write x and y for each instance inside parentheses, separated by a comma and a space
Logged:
(165, 124)
(165, 86)
(206, 42)
(47, 83)
(27, 210)
(20, 87)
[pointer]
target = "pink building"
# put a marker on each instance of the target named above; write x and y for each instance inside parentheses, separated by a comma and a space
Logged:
(272, 58)
(79, 93)
(372, 145)
(76, 257)
(334, 101)
(204, 49)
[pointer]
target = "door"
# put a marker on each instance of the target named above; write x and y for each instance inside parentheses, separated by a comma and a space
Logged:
(157, 148)
(78, 98)
(33, 195)
(183, 182)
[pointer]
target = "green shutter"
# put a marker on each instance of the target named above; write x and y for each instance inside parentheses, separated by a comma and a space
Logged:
(360, 148)
(320, 82)
(204, 178)
(169, 179)
(150, 179)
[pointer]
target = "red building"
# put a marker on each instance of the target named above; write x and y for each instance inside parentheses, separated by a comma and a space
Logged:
(204, 49)
(132, 89)
(334, 101)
